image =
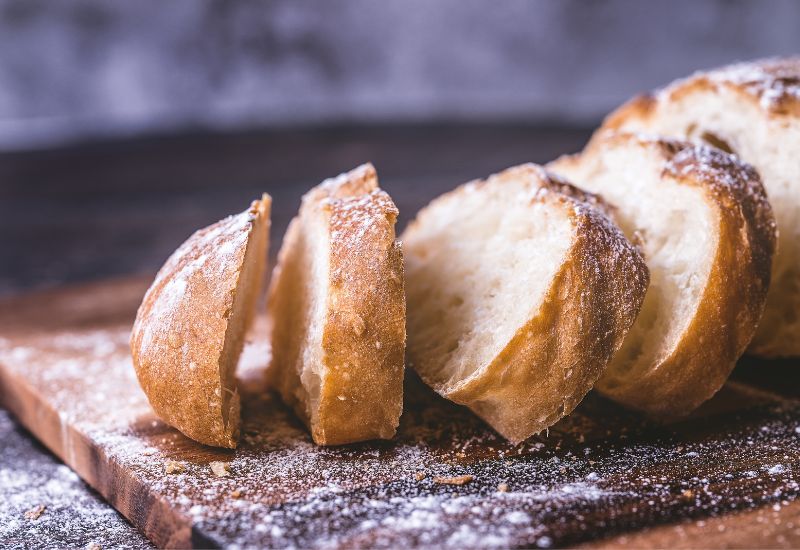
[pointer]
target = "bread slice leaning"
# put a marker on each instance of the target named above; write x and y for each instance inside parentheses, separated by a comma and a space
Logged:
(190, 329)
(752, 110)
(708, 234)
(519, 292)
(337, 311)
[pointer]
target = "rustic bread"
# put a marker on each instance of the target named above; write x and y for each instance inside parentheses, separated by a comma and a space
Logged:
(190, 328)
(337, 312)
(708, 234)
(519, 292)
(752, 110)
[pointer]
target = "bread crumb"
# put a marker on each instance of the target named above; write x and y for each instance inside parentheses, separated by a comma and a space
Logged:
(503, 487)
(35, 512)
(221, 469)
(236, 494)
(455, 480)
(419, 476)
(175, 467)
(687, 494)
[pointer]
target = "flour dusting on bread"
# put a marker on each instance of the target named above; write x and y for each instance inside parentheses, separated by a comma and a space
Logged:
(753, 111)
(707, 233)
(519, 291)
(337, 312)
(189, 330)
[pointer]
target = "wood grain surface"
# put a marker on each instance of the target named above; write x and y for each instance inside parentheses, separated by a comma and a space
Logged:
(726, 477)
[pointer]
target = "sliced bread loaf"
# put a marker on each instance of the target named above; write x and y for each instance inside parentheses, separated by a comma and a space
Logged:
(337, 312)
(707, 233)
(519, 291)
(190, 329)
(752, 110)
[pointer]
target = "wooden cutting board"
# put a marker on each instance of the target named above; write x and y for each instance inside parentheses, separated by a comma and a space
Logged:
(727, 476)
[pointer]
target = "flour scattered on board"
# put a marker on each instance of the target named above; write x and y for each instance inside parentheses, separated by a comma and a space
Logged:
(46, 502)
(278, 489)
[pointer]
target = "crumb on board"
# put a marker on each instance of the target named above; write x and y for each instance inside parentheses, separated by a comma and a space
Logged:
(502, 487)
(35, 512)
(419, 476)
(175, 467)
(221, 469)
(455, 480)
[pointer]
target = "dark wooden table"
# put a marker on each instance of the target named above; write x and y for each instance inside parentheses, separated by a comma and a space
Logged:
(97, 210)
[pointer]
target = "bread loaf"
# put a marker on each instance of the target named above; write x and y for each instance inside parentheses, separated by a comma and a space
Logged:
(707, 232)
(190, 329)
(337, 312)
(752, 110)
(519, 291)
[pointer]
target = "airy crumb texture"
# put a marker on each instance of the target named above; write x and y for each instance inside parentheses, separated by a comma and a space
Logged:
(519, 291)
(707, 232)
(337, 312)
(189, 330)
(752, 110)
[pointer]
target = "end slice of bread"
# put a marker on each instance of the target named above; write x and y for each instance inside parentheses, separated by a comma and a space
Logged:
(337, 312)
(708, 234)
(752, 110)
(190, 329)
(519, 292)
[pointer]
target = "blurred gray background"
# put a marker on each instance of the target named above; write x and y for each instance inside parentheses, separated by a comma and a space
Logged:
(127, 124)
(91, 68)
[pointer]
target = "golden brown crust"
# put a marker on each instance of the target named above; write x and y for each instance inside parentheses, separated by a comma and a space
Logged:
(556, 357)
(181, 328)
(734, 295)
(752, 109)
(772, 84)
(363, 338)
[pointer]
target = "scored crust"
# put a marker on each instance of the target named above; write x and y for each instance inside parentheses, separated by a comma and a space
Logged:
(189, 330)
(753, 110)
(553, 359)
(734, 293)
(343, 374)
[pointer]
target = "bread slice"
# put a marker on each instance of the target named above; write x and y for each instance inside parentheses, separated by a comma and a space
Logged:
(337, 311)
(518, 293)
(752, 110)
(190, 328)
(708, 234)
